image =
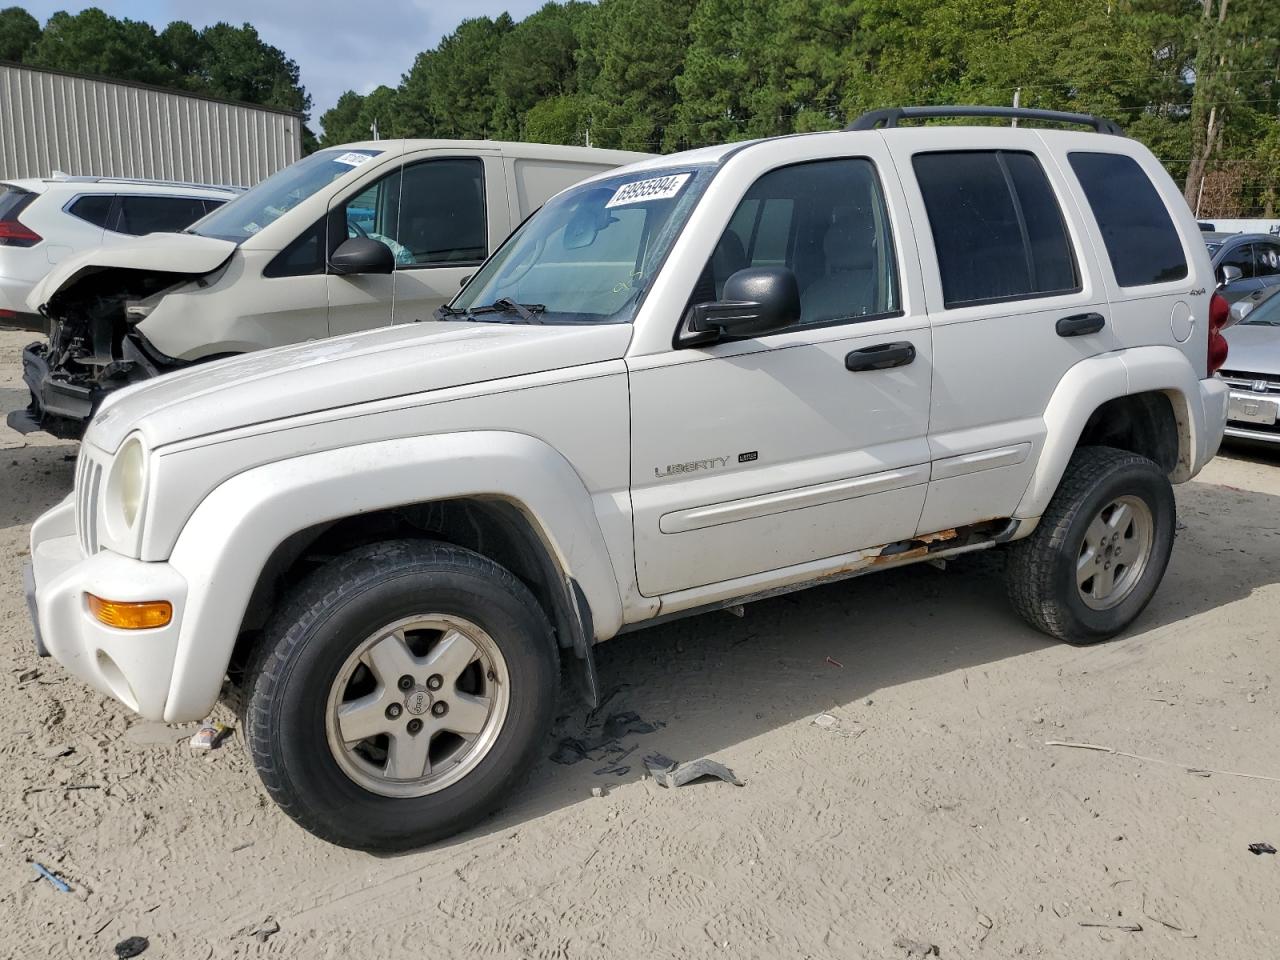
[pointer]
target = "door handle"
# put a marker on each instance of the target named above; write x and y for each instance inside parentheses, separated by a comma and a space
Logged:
(1080, 324)
(880, 357)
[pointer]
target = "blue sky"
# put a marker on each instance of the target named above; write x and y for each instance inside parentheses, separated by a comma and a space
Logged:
(338, 45)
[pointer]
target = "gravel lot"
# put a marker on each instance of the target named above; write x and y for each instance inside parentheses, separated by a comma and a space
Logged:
(932, 809)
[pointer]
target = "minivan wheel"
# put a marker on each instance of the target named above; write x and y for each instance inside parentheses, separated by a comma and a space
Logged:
(1100, 550)
(400, 694)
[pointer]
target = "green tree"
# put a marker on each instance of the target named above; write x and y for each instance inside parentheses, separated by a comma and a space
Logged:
(537, 61)
(93, 42)
(241, 66)
(449, 91)
(352, 118)
(633, 52)
(19, 32)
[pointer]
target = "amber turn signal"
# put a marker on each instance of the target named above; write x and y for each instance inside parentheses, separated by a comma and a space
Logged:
(142, 615)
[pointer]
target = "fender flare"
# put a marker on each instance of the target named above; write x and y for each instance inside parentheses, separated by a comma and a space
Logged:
(227, 540)
(1091, 383)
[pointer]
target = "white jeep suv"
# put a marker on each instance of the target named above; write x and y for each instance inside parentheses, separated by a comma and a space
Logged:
(691, 382)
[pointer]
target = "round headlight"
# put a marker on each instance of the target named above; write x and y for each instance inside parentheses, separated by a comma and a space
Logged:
(126, 486)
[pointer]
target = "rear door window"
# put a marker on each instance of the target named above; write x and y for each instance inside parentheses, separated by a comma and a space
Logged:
(138, 215)
(1266, 258)
(94, 209)
(997, 227)
(1141, 240)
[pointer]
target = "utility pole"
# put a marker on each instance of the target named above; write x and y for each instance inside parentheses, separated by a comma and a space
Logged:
(1017, 102)
(374, 128)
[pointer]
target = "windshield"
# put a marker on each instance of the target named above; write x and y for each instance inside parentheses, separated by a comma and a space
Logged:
(275, 196)
(1265, 314)
(588, 255)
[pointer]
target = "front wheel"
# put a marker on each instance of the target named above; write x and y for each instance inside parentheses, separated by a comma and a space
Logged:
(1101, 548)
(400, 694)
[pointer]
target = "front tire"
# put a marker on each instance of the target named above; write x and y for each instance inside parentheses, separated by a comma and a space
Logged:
(400, 694)
(1100, 550)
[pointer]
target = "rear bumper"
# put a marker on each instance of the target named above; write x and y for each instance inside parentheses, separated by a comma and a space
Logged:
(133, 666)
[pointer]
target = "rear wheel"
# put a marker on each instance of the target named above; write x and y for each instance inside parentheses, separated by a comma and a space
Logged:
(400, 694)
(1101, 548)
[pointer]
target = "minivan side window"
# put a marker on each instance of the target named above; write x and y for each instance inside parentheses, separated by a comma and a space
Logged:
(826, 221)
(997, 227)
(430, 213)
(138, 215)
(1139, 234)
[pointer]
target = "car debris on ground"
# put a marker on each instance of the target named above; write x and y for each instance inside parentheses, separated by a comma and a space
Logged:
(670, 773)
(210, 736)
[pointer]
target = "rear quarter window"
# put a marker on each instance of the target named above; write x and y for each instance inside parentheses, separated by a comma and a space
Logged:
(92, 208)
(1141, 240)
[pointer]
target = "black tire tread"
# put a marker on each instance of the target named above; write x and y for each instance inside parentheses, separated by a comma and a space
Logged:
(319, 594)
(1029, 568)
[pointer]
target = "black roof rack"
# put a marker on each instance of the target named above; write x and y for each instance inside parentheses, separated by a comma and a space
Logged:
(890, 116)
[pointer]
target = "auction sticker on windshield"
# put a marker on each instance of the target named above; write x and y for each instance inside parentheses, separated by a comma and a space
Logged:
(353, 159)
(657, 188)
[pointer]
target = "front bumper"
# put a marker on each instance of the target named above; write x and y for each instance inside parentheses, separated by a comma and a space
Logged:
(133, 666)
(58, 405)
(1253, 415)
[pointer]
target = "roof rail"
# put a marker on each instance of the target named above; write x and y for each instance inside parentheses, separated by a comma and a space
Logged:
(61, 177)
(890, 116)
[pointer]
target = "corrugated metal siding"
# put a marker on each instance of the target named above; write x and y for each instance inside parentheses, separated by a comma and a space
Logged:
(86, 127)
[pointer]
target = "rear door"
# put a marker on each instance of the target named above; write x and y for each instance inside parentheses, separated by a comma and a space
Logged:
(754, 454)
(1014, 303)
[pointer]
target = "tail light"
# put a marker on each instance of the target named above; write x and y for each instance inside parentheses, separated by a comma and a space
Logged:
(1219, 313)
(13, 232)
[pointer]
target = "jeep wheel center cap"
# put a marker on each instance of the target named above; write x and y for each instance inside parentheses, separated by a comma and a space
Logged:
(418, 701)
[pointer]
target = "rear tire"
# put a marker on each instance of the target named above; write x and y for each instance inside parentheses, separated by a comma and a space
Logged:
(381, 641)
(1100, 550)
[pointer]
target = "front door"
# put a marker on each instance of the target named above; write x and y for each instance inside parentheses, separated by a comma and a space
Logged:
(759, 453)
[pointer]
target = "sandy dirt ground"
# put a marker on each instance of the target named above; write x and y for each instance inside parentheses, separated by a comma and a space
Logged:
(932, 809)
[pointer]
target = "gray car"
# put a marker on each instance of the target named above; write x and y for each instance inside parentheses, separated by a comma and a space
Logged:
(1244, 262)
(1253, 367)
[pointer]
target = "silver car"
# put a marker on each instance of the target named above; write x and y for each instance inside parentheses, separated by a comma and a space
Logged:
(1253, 366)
(1244, 263)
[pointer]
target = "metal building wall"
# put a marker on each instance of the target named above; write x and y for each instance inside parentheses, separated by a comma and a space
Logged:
(87, 127)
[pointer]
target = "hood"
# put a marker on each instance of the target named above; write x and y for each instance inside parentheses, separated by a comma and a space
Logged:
(1253, 348)
(358, 368)
(181, 254)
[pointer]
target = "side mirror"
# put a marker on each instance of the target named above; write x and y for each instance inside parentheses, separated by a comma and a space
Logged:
(756, 300)
(1228, 275)
(362, 255)
(464, 281)
(1239, 310)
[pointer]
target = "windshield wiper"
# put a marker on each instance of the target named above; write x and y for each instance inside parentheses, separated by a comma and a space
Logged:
(528, 312)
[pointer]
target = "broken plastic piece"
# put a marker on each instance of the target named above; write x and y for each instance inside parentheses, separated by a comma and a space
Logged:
(58, 883)
(917, 948)
(210, 736)
(1260, 848)
(671, 774)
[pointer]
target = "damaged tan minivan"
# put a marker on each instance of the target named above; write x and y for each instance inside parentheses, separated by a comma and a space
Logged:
(358, 236)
